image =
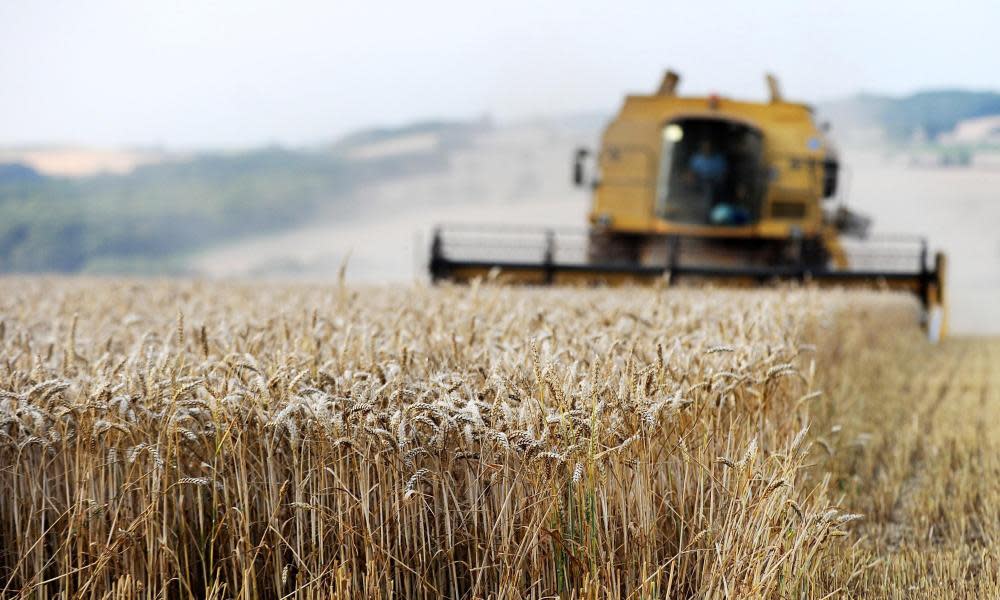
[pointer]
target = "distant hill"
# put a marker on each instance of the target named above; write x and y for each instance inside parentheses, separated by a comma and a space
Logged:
(59, 160)
(17, 172)
(925, 115)
(148, 219)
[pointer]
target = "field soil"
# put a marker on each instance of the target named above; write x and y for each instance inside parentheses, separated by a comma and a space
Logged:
(956, 209)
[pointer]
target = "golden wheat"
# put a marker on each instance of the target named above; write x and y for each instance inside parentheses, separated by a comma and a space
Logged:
(258, 441)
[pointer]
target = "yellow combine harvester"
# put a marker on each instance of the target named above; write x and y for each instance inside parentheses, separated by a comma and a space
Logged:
(704, 189)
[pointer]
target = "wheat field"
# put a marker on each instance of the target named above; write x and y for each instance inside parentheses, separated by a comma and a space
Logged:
(221, 440)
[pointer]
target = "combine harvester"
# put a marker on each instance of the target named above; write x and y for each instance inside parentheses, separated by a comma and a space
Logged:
(704, 190)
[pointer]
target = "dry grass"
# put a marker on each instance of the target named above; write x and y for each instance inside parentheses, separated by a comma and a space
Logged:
(220, 440)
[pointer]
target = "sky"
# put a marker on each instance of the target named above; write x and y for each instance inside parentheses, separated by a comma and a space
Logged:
(237, 73)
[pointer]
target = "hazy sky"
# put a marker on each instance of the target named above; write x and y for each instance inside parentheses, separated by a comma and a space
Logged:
(241, 72)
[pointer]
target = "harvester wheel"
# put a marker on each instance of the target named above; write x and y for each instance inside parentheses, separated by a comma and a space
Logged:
(603, 247)
(815, 254)
(808, 253)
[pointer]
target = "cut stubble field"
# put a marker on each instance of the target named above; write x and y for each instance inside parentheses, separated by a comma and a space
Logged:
(189, 439)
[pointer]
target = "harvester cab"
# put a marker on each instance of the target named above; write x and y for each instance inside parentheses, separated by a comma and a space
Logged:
(704, 189)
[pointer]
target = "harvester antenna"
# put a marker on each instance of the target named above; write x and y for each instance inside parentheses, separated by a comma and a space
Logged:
(773, 87)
